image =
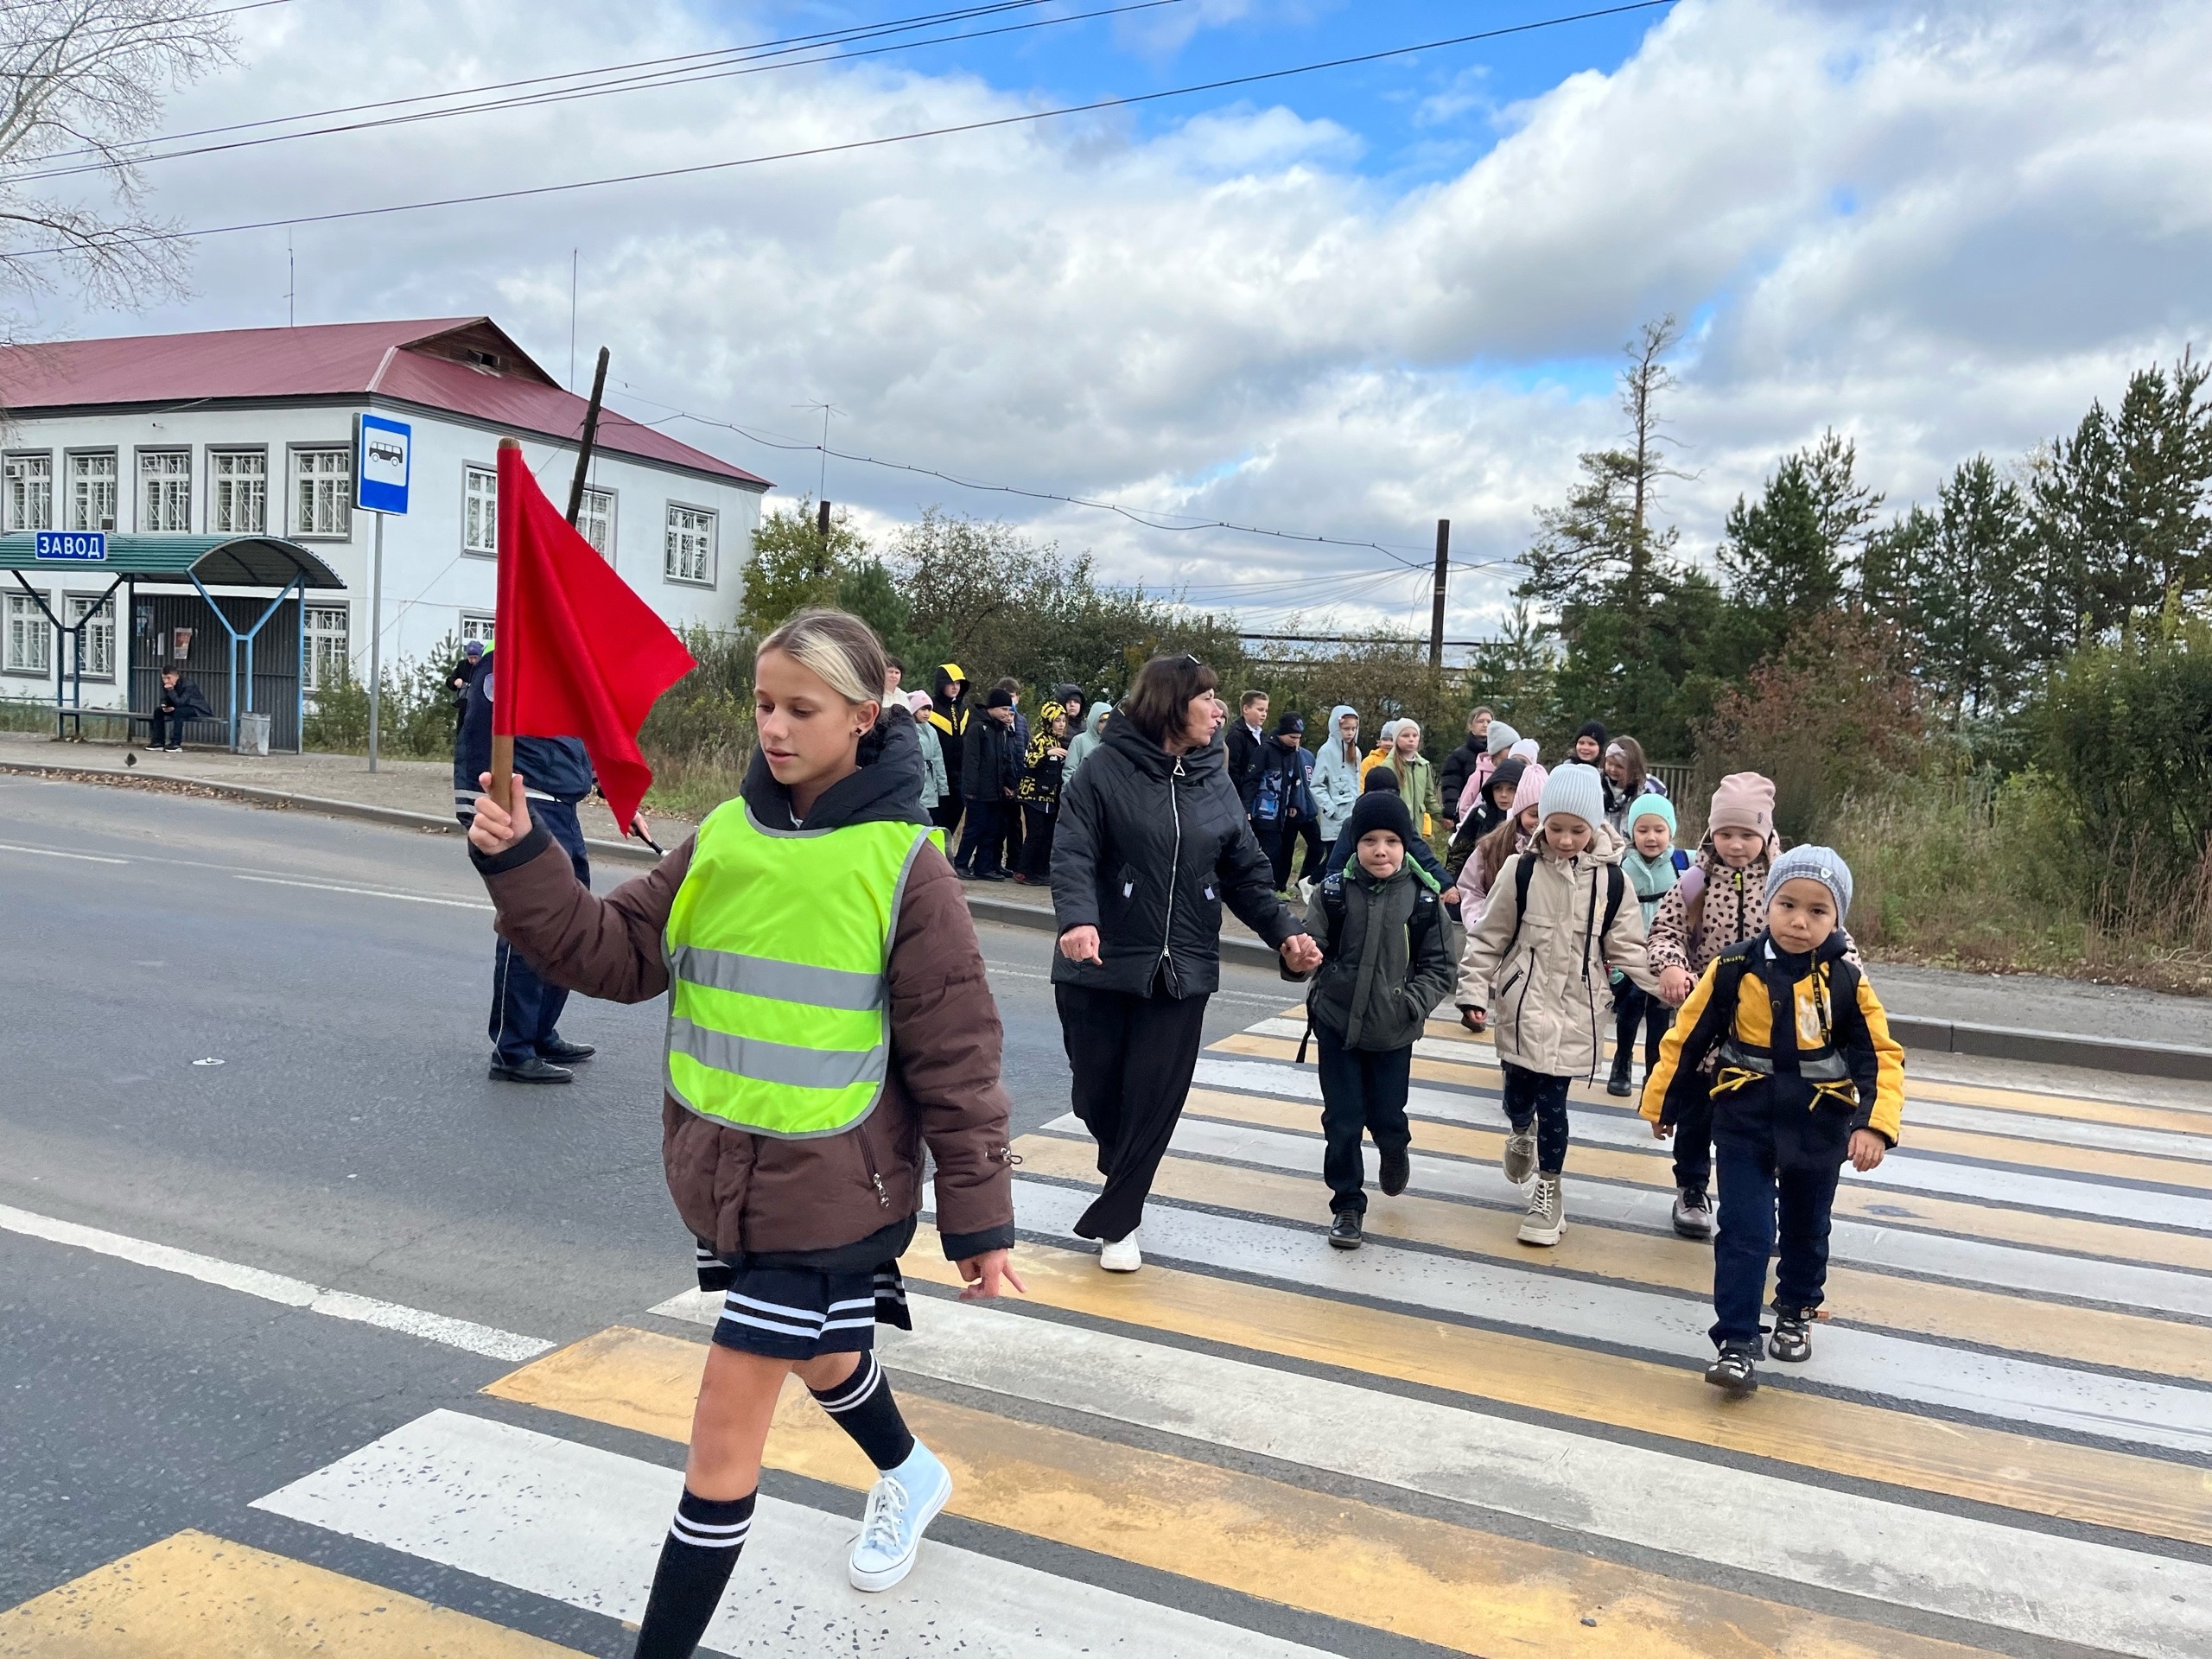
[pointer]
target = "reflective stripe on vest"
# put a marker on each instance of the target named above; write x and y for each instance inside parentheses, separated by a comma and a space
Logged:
(778, 944)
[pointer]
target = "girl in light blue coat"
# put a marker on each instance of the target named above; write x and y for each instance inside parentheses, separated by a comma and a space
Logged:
(1336, 775)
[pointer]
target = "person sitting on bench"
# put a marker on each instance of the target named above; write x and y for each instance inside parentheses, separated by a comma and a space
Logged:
(180, 700)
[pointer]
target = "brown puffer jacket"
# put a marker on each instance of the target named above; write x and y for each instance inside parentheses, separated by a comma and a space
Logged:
(815, 1203)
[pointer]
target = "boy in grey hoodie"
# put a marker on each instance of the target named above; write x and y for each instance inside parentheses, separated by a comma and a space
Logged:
(1385, 964)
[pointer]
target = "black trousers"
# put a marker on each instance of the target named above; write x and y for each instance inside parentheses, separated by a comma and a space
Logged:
(1762, 1199)
(1037, 841)
(1634, 1007)
(946, 814)
(1694, 1143)
(980, 836)
(1131, 1057)
(1317, 850)
(524, 1008)
(174, 723)
(1362, 1092)
(1278, 841)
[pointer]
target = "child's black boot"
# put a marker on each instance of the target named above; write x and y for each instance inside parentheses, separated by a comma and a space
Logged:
(1793, 1335)
(1618, 1083)
(1343, 1231)
(1736, 1369)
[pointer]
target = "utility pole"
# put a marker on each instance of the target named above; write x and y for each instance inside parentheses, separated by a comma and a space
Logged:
(1436, 594)
(822, 534)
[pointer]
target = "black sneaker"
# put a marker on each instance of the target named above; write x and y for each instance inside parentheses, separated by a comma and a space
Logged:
(565, 1053)
(1343, 1231)
(1397, 1171)
(532, 1070)
(1793, 1335)
(1735, 1370)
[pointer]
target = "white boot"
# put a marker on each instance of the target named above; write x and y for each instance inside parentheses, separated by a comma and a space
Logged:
(1121, 1255)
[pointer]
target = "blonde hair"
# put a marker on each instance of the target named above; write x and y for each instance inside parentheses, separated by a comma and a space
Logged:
(837, 646)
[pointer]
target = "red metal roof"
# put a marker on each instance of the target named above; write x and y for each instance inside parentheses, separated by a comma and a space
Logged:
(466, 366)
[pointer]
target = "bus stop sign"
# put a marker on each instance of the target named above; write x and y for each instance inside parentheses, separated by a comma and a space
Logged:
(380, 469)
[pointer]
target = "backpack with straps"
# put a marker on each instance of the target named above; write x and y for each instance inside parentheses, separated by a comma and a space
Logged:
(1419, 926)
(1525, 872)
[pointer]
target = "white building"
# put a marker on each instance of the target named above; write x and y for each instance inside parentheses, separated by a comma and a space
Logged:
(250, 432)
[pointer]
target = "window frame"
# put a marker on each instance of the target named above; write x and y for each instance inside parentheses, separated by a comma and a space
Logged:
(216, 452)
(713, 516)
(139, 478)
(612, 498)
(293, 454)
(8, 489)
(110, 454)
(70, 601)
(471, 471)
(313, 685)
(16, 598)
(476, 624)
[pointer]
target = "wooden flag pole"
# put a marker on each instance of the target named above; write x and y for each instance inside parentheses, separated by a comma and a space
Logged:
(590, 437)
(502, 745)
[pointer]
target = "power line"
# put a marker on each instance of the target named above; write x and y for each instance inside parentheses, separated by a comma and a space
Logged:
(1027, 117)
(656, 81)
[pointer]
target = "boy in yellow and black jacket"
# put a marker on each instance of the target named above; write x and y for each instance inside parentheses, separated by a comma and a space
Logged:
(1804, 1074)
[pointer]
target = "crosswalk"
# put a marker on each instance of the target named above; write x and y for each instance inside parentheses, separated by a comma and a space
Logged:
(1444, 1442)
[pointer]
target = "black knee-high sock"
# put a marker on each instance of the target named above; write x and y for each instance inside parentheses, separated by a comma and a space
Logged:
(861, 1405)
(696, 1559)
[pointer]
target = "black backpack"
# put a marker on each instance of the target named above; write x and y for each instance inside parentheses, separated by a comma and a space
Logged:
(1418, 927)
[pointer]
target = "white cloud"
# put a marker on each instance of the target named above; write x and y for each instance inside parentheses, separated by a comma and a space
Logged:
(1938, 232)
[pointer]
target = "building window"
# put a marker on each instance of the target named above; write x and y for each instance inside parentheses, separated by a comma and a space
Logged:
(476, 624)
(595, 522)
(329, 657)
(92, 491)
(96, 642)
(29, 643)
(690, 555)
(165, 491)
(479, 512)
(31, 491)
(238, 484)
(322, 492)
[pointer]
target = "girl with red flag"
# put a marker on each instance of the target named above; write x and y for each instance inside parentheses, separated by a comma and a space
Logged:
(829, 1016)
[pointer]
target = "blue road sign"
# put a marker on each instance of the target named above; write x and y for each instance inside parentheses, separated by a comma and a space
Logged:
(380, 469)
(71, 546)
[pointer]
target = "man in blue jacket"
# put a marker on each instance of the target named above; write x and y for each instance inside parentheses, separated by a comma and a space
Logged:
(556, 774)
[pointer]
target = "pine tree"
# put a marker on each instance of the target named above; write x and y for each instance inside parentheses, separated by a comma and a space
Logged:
(1791, 555)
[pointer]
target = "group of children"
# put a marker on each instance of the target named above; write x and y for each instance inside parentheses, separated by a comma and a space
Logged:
(1762, 1038)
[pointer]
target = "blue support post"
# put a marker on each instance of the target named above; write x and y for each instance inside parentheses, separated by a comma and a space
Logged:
(246, 638)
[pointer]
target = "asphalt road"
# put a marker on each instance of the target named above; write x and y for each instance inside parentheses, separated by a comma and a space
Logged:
(349, 1137)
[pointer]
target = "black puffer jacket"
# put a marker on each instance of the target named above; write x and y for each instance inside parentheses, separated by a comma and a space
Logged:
(1149, 847)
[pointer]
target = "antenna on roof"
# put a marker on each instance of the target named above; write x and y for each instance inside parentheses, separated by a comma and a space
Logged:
(291, 283)
(572, 319)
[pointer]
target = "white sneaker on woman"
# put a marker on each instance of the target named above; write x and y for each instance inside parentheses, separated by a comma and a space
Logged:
(1121, 1255)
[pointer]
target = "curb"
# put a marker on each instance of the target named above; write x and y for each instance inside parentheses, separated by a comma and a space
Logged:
(1935, 1036)
(254, 795)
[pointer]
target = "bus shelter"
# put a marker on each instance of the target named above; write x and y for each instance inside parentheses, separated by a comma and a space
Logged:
(248, 654)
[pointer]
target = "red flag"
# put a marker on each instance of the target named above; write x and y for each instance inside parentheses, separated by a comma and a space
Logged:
(580, 655)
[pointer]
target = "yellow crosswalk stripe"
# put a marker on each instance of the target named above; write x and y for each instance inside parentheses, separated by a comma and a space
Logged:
(1966, 1143)
(1427, 1579)
(2013, 1470)
(2020, 1324)
(194, 1596)
(2079, 1235)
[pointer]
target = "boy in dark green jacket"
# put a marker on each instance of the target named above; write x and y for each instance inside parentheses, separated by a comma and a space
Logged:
(1385, 964)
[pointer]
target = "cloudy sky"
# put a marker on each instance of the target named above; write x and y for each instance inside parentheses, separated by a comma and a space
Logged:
(1340, 304)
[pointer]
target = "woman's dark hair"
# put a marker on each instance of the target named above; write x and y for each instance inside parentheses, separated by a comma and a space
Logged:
(1158, 702)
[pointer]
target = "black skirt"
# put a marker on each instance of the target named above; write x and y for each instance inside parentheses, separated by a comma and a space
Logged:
(797, 1313)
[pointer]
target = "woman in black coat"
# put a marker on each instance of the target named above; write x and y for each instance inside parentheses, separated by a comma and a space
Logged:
(1152, 841)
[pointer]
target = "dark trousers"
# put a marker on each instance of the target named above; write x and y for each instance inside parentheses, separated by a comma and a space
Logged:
(1010, 834)
(946, 814)
(171, 723)
(1634, 1007)
(1278, 841)
(980, 837)
(1754, 1187)
(1132, 1057)
(1694, 1144)
(524, 1008)
(1317, 850)
(1362, 1092)
(1037, 841)
(1533, 1097)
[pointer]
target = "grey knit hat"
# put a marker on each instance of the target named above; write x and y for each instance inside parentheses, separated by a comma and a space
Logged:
(1502, 737)
(1576, 791)
(1821, 864)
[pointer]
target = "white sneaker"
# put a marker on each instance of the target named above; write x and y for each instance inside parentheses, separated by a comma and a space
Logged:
(901, 1505)
(1121, 1255)
(1519, 1160)
(1546, 1217)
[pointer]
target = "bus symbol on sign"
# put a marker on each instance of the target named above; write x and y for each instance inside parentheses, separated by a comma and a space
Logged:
(74, 546)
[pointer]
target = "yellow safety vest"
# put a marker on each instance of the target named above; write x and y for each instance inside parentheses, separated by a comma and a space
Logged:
(779, 943)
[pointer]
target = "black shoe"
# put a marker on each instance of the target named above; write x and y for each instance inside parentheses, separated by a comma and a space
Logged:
(565, 1053)
(1735, 1370)
(532, 1070)
(1397, 1170)
(1793, 1335)
(1343, 1231)
(1619, 1083)
(990, 875)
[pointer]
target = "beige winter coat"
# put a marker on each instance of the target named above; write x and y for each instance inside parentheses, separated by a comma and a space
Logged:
(1546, 983)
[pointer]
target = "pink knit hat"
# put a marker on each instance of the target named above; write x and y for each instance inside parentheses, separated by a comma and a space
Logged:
(1530, 790)
(1743, 801)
